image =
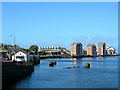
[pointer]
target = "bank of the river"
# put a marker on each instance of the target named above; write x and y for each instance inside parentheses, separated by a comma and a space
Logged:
(82, 56)
(13, 72)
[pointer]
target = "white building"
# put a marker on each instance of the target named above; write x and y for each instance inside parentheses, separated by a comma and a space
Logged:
(110, 50)
(19, 56)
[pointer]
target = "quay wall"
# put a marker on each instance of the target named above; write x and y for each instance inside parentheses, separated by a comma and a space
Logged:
(13, 72)
(34, 58)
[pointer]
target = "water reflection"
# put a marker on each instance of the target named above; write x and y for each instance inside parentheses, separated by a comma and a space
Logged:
(89, 58)
(75, 58)
(100, 58)
(73, 63)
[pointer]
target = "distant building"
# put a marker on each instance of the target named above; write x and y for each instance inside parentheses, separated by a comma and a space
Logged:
(96, 51)
(76, 48)
(12, 50)
(54, 50)
(84, 52)
(4, 53)
(91, 49)
(110, 50)
(68, 52)
(101, 49)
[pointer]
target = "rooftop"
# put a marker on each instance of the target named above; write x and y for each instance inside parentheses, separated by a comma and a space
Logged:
(75, 43)
(101, 44)
(91, 45)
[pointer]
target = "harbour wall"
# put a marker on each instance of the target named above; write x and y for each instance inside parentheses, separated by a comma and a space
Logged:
(13, 72)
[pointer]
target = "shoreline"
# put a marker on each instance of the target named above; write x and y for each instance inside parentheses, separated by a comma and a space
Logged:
(14, 72)
(46, 57)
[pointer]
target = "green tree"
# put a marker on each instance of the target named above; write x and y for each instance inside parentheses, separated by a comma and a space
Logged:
(34, 48)
(26, 50)
(42, 52)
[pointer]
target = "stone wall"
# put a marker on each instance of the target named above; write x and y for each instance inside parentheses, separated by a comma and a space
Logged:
(13, 72)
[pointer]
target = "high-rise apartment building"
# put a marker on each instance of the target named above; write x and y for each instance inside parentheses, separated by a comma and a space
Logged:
(101, 49)
(76, 48)
(91, 50)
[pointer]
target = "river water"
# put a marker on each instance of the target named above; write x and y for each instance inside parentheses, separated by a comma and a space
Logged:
(103, 73)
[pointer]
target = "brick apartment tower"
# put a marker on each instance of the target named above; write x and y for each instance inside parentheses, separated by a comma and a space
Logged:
(101, 49)
(76, 48)
(91, 49)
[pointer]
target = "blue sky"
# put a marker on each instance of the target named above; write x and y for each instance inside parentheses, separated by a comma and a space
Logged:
(60, 24)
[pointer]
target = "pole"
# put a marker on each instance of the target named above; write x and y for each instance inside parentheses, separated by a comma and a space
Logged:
(9, 50)
(14, 46)
(14, 40)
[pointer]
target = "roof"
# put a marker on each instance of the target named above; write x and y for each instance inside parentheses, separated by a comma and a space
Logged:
(111, 49)
(21, 51)
(101, 44)
(91, 45)
(75, 43)
(16, 50)
(68, 50)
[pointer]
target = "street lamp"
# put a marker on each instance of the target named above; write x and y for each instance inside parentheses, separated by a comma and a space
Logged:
(14, 45)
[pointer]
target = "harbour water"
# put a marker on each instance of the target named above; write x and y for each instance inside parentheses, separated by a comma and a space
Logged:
(103, 73)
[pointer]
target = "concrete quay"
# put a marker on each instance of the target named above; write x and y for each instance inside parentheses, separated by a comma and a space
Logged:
(13, 72)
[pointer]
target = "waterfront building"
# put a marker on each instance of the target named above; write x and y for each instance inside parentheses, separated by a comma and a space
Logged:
(3, 53)
(54, 50)
(91, 49)
(12, 50)
(110, 50)
(96, 51)
(19, 56)
(84, 52)
(102, 48)
(68, 52)
(76, 48)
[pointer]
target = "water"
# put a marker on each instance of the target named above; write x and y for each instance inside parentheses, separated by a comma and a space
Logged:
(102, 74)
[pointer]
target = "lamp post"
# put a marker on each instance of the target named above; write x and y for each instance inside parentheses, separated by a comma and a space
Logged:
(14, 45)
(8, 47)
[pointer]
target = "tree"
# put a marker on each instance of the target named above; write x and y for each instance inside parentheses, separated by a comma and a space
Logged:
(42, 53)
(26, 50)
(34, 48)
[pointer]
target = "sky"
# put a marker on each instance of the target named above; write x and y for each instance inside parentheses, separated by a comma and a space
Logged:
(60, 23)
